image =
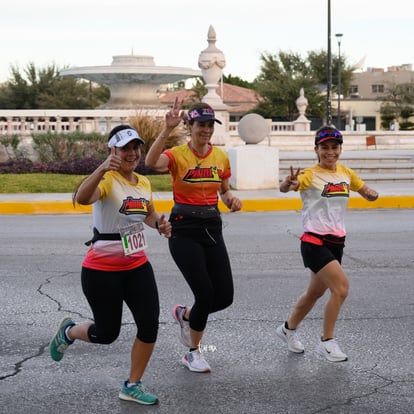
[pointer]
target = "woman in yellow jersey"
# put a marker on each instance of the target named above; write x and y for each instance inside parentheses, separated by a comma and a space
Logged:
(324, 189)
(116, 269)
(200, 172)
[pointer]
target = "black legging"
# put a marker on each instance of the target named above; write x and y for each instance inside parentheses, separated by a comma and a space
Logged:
(205, 265)
(106, 292)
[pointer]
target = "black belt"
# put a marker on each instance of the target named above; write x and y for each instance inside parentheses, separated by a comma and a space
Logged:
(191, 210)
(102, 236)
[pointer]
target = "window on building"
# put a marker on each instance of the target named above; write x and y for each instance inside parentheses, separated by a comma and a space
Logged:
(377, 88)
(353, 89)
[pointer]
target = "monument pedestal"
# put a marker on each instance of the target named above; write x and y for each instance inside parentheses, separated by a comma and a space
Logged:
(220, 136)
(254, 167)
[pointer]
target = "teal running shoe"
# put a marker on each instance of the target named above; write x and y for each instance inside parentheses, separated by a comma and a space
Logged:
(137, 393)
(60, 342)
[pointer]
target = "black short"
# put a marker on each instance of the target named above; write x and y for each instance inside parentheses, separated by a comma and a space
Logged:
(315, 257)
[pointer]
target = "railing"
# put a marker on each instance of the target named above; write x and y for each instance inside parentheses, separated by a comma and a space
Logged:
(25, 122)
(283, 135)
(30, 121)
(274, 126)
(31, 125)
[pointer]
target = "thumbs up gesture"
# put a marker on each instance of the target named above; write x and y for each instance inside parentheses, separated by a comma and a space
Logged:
(113, 162)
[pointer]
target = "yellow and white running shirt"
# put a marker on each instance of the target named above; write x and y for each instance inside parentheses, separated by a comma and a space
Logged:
(325, 196)
(196, 180)
(121, 204)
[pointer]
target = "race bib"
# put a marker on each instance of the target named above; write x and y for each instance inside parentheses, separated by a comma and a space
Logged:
(133, 238)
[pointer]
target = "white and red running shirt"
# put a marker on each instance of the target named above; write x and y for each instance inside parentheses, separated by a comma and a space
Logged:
(325, 196)
(121, 204)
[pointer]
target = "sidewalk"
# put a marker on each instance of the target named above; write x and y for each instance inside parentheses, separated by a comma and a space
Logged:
(392, 195)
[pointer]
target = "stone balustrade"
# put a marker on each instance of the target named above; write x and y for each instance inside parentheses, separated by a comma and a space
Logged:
(26, 122)
(31, 121)
(282, 134)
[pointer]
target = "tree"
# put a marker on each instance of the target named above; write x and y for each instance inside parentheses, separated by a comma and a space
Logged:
(283, 75)
(199, 90)
(15, 93)
(237, 81)
(398, 105)
(45, 89)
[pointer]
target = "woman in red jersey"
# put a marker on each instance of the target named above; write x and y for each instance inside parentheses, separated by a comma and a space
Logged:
(200, 172)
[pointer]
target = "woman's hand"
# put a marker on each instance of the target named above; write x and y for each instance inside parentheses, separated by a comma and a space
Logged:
(113, 162)
(164, 226)
(231, 202)
(368, 193)
(234, 204)
(290, 182)
(88, 191)
(174, 116)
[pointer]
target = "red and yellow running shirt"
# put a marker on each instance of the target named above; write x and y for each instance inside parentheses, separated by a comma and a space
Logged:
(325, 196)
(196, 180)
(121, 204)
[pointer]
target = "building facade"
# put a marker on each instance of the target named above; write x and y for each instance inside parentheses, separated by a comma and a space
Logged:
(361, 106)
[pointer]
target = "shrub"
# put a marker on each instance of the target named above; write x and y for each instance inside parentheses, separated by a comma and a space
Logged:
(149, 128)
(80, 153)
(59, 146)
(11, 144)
(82, 166)
(17, 166)
(406, 126)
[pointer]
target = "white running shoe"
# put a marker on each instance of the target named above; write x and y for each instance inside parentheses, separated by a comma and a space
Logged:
(195, 361)
(331, 351)
(291, 338)
(178, 315)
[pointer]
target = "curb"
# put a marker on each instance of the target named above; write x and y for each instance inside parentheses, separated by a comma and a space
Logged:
(250, 205)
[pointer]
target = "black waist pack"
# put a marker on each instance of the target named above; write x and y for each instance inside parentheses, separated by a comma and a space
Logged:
(102, 236)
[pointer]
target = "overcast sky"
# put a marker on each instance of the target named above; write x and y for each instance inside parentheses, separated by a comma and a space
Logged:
(89, 32)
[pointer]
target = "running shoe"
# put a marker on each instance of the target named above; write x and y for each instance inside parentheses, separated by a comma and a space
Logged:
(137, 393)
(331, 351)
(60, 342)
(178, 315)
(194, 361)
(290, 337)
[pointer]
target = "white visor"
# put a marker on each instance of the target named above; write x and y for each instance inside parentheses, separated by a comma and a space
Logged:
(121, 138)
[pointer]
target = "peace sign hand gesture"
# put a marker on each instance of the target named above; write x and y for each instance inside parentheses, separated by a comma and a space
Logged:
(291, 181)
(293, 177)
(174, 116)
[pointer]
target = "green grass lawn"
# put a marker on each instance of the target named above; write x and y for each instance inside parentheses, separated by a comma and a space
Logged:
(61, 183)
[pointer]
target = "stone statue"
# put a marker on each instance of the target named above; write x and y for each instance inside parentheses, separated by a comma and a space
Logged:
(301, 103)
(302, 123)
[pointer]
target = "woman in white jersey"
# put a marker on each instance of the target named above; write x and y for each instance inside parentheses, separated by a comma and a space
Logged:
(324, 189)
(115, 269)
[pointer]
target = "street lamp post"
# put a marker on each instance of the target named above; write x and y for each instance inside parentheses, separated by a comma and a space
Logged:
(329, 71)
(338, 120)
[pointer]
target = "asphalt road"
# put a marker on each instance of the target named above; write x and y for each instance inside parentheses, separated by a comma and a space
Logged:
(252, 372)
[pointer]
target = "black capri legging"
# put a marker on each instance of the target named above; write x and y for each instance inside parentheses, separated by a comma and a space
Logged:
(106, 292)
(204, 262)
